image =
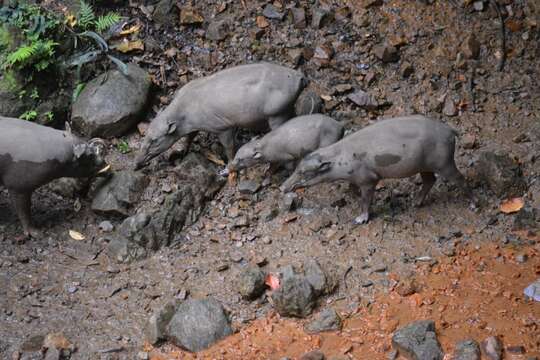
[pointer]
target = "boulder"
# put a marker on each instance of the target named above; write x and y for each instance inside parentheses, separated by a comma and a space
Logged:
(112, 103)
(295, 297)
(157, 225)
(327, 320)
(308, 103)
(155, 329)
(418, 341)
(250, 283)
(467, 350)
(116, 195)
(502, 174)
(197, 324)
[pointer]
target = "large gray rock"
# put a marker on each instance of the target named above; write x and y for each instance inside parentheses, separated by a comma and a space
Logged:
(327, 320)
(467, 350)
(112, 103)
(502, 174)
(157, 225)
(418, 341)
(295, 297)
(116, 195)
(197, 324)
(319, 279)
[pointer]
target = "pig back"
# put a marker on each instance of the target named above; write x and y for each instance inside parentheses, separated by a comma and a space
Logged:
(21, 140)
(242, 96)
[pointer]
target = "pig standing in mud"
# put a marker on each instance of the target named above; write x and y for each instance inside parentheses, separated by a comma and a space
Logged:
(255, 96)
(393, 148)
(32, 155)
(289, 142)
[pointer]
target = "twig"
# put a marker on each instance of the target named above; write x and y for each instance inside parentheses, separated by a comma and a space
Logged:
(502, 61)
(471, 88)
(345, 276)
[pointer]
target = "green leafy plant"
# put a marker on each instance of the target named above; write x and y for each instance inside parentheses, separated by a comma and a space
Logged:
(123, 147)
(29, 115)
(49, 116)
(104, 22)
(86, 16)
(77, 91)
(34, 94)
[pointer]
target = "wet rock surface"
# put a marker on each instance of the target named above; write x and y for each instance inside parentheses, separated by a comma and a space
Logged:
(197, 324)
(111, 104)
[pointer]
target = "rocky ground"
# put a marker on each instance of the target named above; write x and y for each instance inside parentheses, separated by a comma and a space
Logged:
(463, 268)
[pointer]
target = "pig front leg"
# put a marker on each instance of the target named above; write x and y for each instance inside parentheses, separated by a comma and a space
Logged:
(366, 190)
(23, 204)
(226, 138)
(428, 180)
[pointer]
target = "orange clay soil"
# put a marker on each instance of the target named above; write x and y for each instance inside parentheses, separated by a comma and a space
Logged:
(476, 294)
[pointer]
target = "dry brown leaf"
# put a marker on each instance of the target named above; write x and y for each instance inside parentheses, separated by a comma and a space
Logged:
(127, 46)
(513, 205)
(131, 30)
(75, 235)
(272, 282)
(56, 341)
(215, 159)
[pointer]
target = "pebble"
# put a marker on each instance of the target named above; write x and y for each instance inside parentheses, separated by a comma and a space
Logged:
(106, 226)
(492, 348)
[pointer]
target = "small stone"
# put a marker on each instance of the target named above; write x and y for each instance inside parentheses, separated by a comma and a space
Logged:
(492, 348)
(386, 53)
(370, 77)
(143, 355)
(248, 186)
(298, 17)
(271, 12)
(323, 52)
(363, 100)
(289, 202)
(313, 355)
(189, 16)
(519, 349)
(242, 221)
(326, 320)
(154, 330)
(262, 22)
(468, 141)
(106, 226)
(522, 258)
(251, 283)
(449, 108)
(406, 70)
(319, 18)
(295, 55)
(217, 30)
(343, 88)
(406, 287)
(471, 47)
(317, 277)
(478, 5)
(295, 297)
(467, 350)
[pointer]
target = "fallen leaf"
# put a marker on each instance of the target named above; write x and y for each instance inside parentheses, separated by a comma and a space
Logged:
(131, 30)
(75, 235)
(71, 20)
(214, 158)
(56, 341)
(513, 205)
(127, 46)
(233, 175)
(272, 282)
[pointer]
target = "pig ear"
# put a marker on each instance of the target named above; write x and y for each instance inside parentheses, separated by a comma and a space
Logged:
(172, 128)
(79, 150)
(257, 155)
(325, 166)
(68, 128)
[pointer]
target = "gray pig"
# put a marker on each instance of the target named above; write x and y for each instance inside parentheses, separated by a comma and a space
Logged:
(392, 148)
(255, 96)
(289, 142)
(32, 155)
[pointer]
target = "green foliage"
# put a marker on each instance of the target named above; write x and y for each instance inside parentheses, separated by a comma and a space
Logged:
(77, 91)
(34, 94)
(29, 115)
(10, 82)
(104, 22)
(49, 116)
(123, 147)
(86, 16)
(37, 52)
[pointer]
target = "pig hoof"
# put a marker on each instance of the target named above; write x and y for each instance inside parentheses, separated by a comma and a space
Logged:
(361, 219)
(224, 172)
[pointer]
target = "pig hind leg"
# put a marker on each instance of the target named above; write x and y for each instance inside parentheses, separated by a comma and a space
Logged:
(428, 180)
(226, 138)
(23, 204)
(451, 173)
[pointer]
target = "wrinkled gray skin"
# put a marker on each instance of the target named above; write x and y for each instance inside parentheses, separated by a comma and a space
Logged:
(289, 142)
(255, 96)
(392, 148)
(32, 155)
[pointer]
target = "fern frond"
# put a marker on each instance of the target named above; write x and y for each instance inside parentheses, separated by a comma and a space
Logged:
(104, 22)
(86, 15)
(22, 54)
